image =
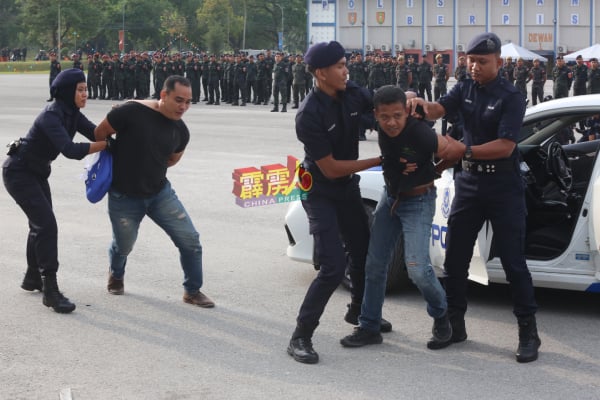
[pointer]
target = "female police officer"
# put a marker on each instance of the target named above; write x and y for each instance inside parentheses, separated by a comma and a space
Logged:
(26, 173)
(488, 188)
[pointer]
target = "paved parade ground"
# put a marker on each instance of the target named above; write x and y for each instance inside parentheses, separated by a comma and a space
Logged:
(148, 344)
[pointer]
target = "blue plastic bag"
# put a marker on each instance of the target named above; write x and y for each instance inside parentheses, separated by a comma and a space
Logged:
(99, 177)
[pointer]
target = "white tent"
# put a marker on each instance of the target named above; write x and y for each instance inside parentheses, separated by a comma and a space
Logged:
(514, 51)
(587, 53)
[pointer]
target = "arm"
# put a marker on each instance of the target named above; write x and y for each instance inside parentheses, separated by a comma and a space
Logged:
(333, 168)
(103, 130)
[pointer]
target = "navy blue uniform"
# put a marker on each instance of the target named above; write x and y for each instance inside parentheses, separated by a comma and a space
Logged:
(26, 174)
(328, 126)
(489, 112)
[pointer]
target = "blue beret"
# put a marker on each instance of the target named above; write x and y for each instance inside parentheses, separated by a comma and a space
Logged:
(324, 54)
(484, 43)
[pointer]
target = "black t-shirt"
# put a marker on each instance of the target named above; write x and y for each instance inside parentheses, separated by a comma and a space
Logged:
(417, 143)
(145, 141)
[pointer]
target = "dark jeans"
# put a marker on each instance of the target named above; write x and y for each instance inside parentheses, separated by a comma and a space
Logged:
(32, 194)
(334, 209)
(499, 198)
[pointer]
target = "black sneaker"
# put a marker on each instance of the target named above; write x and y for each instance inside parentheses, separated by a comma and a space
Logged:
(361, 337)
(353, 312)
(302, 351)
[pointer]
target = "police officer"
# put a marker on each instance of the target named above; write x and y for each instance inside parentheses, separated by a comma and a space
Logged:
(214, 75)
(537, 75)
(521, 74)
(358, 71)
(562, 78)
(461, 73)
(594, 77)
(119, 81)
(489, 187)
(54, 70)
(269, 66)
(261, 76)
(377, 74)
(580, 76)
(76, 61)
(239, 82)
(299, 82)
(281, 71)
(108, 76)
(425, 76)
(327, 124)
(251, 86)
(441, 73)
(403, 74)
(25, 173)
(205, 64)
(414, 69)
(509, 70)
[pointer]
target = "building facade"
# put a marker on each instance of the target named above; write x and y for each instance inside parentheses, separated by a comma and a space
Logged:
(547, 27)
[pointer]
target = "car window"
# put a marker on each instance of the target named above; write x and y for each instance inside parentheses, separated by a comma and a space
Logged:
(537, 131)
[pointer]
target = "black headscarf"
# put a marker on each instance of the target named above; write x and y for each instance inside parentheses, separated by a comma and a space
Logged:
(64, 85)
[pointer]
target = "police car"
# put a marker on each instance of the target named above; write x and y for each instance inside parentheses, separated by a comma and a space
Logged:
(563, 200)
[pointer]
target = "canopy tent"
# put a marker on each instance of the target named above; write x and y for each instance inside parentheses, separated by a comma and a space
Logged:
(587, 53)
(514, 51)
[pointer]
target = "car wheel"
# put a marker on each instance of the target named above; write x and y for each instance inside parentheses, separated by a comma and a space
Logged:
(397, 275)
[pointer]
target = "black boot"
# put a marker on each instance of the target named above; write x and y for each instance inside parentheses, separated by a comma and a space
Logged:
(32, 280)
(53, 297)
(529, 341)
(442, 333)
(284, 108)
(275, 109)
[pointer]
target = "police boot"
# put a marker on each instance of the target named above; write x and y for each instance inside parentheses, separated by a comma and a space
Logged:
(295, 106)
(275, 108)
(529, 341)
(32, 280)
(284, 108)
(53, 297)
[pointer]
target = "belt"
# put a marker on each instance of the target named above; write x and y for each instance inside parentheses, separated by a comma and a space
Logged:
(418, 191)
(488, 167)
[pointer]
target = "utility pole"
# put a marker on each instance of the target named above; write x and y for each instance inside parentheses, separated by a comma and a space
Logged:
(281, 8)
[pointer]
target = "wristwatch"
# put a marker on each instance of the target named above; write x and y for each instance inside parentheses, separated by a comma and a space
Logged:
(468, 153)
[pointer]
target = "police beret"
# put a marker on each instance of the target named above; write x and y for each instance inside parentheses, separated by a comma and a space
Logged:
(484, 43)
(323, 54)
(560, 58)
(579, 57)
(593, 59)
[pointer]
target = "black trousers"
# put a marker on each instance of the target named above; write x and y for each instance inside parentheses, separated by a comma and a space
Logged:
(499, 198)
(32, 194)
(335, 211)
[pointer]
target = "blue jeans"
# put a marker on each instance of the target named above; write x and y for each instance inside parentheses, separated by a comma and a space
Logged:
(410, 221)
(168, 212)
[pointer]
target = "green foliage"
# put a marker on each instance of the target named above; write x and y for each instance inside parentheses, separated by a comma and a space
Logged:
(215, 25)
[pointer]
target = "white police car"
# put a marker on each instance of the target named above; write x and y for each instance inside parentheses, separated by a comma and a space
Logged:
(563, 200)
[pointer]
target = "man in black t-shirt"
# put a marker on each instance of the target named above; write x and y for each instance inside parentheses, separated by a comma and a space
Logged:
(406, 209)
(150, 138)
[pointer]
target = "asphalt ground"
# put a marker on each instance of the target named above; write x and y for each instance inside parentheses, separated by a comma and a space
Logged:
(148, 344)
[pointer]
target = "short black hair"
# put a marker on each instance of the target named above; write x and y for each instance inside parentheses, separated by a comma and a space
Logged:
(170, 82)
(389, 95)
